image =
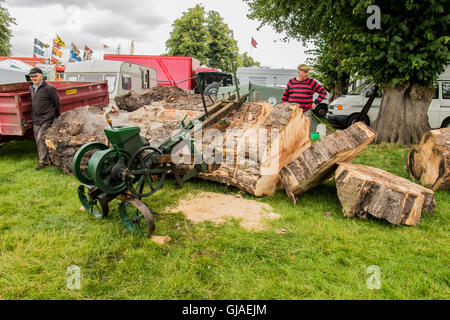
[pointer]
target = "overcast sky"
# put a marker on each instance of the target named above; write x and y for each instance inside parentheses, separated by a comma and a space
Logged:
(147, 22)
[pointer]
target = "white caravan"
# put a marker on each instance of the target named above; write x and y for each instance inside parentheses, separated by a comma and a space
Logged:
(343, 111)
(122, 77)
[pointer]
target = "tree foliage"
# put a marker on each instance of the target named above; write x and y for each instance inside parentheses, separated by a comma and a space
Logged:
(206, 36)
(404, 57)
(190, 36)
(5, 30)
(248, 61)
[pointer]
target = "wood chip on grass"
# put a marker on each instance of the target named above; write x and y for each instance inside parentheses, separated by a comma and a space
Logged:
(217, 208)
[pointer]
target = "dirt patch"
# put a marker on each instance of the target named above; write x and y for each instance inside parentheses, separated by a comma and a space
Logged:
(216, 207)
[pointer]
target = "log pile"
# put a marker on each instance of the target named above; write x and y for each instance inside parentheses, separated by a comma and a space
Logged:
(319, 162)
(132, 101)
(365, 191)
(429, 161)
(82, 125)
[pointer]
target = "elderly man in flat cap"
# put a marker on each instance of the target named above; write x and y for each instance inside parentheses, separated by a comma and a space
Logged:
(45, 109)
(301, 90)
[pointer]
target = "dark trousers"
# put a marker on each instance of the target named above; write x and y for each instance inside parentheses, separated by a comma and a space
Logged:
(39, 132)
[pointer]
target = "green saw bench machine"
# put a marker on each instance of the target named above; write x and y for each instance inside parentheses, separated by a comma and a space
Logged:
(130, 169)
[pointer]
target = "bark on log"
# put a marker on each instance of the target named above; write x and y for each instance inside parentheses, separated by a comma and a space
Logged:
(262, 139)
(318, 163)
(429, 161)
(364, 190)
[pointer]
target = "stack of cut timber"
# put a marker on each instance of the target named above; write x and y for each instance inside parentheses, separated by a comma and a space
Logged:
(267, 138)
(429, 161)
(365, 190)
(319, 162)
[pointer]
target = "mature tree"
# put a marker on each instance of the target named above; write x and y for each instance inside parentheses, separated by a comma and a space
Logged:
(206, 38)
(248, 61)
(5, 30)
(190, 36)
(222, 47)
(405, 56)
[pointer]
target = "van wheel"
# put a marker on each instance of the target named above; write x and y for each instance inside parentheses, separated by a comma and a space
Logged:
(352, 119)
(446, 123)
(321, 110)
(211, 89)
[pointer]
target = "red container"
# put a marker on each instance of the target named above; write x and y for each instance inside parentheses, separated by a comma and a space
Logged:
(15, 103)
(170, 70)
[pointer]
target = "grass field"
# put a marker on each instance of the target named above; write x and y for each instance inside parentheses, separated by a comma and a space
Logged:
(321, 256)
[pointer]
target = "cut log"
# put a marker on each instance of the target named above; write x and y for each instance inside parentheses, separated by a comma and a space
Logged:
(258, 141)
(364, 190)
(429, 161)
(319, 162)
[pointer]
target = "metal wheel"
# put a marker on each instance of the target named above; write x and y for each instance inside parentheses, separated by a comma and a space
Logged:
(136, 216)
(106, 169)
(146, 177)
(80, 165)
(94, 205)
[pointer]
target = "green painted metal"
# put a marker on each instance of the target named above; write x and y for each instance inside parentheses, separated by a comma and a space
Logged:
(76, 162)
(137, 217)
(125, 137)
(92, 205)
(104, 168)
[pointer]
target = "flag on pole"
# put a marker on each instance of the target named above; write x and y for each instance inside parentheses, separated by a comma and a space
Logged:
(56, 52)
(58, 41)
(87, 53)
(74, 53)
(38, 49)
(254, 43)
(105, 46)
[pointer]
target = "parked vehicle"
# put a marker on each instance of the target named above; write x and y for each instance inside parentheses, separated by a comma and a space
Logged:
(15, 104)
(344, 110)
(171, 70)
(122, 77)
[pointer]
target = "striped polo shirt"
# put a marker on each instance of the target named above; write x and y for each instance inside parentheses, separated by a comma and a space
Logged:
(302, 92)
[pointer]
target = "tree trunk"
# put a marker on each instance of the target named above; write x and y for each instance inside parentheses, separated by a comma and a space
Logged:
(429, 161)
(318, 163)
(338, 90)
(403, 113)
(365, 190)
(270, 137)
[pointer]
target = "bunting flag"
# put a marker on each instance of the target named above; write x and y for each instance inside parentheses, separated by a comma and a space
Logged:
(254, 43)
(38, 49)
(87, 53)
(56, 52)
(59, 42)
(74, 53)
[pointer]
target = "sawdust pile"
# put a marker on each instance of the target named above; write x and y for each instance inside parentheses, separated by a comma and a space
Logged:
(217, 208)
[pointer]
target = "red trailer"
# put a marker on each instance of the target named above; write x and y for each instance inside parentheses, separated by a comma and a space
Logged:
(170, 70)
(15, 104)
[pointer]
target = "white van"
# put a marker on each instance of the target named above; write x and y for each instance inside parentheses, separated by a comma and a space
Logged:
(343, 111)
(122, 77)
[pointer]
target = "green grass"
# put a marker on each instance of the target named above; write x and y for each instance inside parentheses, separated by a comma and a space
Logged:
(43, 232)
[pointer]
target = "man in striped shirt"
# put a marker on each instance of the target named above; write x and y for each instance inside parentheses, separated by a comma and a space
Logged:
(301, 90)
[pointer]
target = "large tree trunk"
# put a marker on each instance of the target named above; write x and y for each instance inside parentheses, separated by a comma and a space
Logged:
(267, 139)
(338, 90)
(365, 190)
(403, 113)
(318, 163)
(429, 161)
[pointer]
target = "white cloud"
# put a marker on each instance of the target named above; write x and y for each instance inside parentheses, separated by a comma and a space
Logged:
(149, 23)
